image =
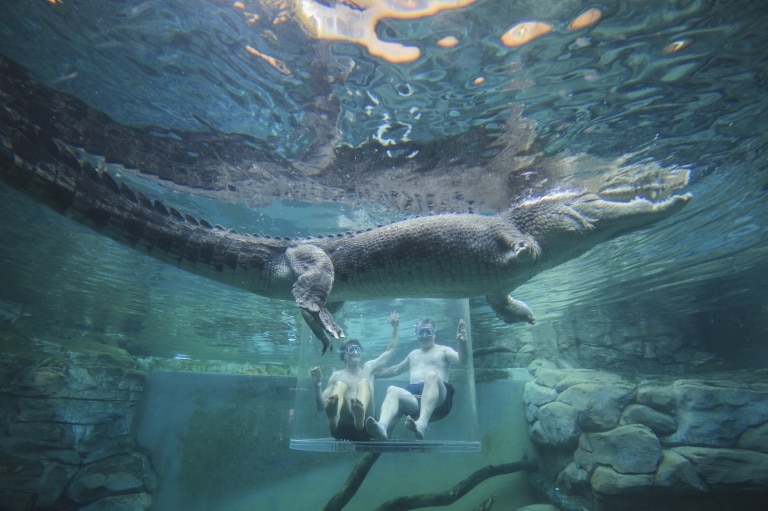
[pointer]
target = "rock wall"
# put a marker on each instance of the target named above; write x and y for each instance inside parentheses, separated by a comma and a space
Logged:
(67, 416)
(620, 337)
(607, 441)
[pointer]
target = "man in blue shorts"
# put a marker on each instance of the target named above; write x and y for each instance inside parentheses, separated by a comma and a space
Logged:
(429, 396)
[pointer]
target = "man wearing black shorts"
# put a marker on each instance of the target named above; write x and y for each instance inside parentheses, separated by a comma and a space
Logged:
(429, 396)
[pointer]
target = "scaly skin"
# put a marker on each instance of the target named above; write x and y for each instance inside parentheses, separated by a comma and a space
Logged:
(441, 256)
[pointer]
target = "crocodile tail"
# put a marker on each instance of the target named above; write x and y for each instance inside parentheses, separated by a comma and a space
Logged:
(52, 173)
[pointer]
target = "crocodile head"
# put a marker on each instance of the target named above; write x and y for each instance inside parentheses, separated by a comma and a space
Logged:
(566, 225)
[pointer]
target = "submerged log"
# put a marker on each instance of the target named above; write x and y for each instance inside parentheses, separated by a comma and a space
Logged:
(459, 490)
(355, 479)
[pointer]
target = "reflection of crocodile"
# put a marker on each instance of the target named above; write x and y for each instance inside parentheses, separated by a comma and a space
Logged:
(450, 256)
(478, 170)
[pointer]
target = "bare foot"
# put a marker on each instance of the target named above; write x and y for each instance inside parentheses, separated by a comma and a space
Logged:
(375, 429)
(332, 410)
(414, 426)
(358, 413)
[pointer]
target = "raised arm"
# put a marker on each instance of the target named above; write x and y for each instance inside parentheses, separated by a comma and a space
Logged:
(394, 320)
(384, 358)
(461, 342)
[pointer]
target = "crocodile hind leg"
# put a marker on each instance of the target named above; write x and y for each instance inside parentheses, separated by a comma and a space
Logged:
(314, 280)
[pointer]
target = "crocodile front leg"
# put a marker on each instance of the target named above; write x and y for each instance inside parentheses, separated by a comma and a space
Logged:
(314, 280)
(508, 309)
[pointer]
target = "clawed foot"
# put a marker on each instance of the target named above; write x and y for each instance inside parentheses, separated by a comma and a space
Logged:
(332, 409)
(375, 429)
(330, 326)
(418, 430)
(321, 323)
(510, 310)
(358, 413)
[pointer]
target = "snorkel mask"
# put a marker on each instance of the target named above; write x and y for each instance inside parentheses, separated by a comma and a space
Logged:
(352, 349)
(424, 331)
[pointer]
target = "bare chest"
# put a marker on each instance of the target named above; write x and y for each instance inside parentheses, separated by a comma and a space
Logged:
(423, 362)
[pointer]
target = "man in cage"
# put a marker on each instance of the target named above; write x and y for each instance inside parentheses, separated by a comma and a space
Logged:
(348, 397)
(429, 396)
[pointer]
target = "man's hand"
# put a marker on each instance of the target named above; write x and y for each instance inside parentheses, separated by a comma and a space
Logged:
(461, 332)
(394, 319)
(317, 374)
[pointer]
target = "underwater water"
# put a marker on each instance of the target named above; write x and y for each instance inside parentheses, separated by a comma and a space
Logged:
(310, 118)
(252, 466)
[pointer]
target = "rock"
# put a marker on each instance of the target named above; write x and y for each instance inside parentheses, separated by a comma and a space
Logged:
(39, 381)
(22, 474)
(715, 413)
(723, 468)
(659, 397)
(70, 430)
(130, 502)
(88, 354)
(667, 348)
(548, 377)
(755, 439)
(539, 364)
(16, 500)
(632, 449)
(525, 355)
(534, 396)
(115, 475)
(581, 376)
(32, 480)
(75, 411)
(556, 426)
(677, 475)
(52, 484)
(598, 406)
(583, 456)
(538, 507)
(67, 417)
(103, 383)
(67, 443)
(683, 441)
(661, 424)
(538, 394)
(607, 481)
(573, 478)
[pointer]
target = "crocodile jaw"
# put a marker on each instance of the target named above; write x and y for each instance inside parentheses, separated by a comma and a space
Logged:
(566, 225)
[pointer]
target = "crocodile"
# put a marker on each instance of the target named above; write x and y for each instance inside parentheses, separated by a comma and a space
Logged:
(459, 255)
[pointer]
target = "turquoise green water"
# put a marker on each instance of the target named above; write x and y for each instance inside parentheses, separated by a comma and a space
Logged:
(657, 84)
(220, 442)
(615, 92)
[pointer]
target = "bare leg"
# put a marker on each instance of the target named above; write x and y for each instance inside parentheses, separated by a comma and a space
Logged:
(375, 429)
(334, 403)
(411, 425)
(360, 403)
(395, 403)
(432, 396)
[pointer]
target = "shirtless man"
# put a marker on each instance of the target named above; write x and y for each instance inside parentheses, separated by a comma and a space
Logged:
(429, 396)
(347, 398)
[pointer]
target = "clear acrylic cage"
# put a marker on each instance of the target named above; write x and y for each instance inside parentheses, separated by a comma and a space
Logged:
(457, 432)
